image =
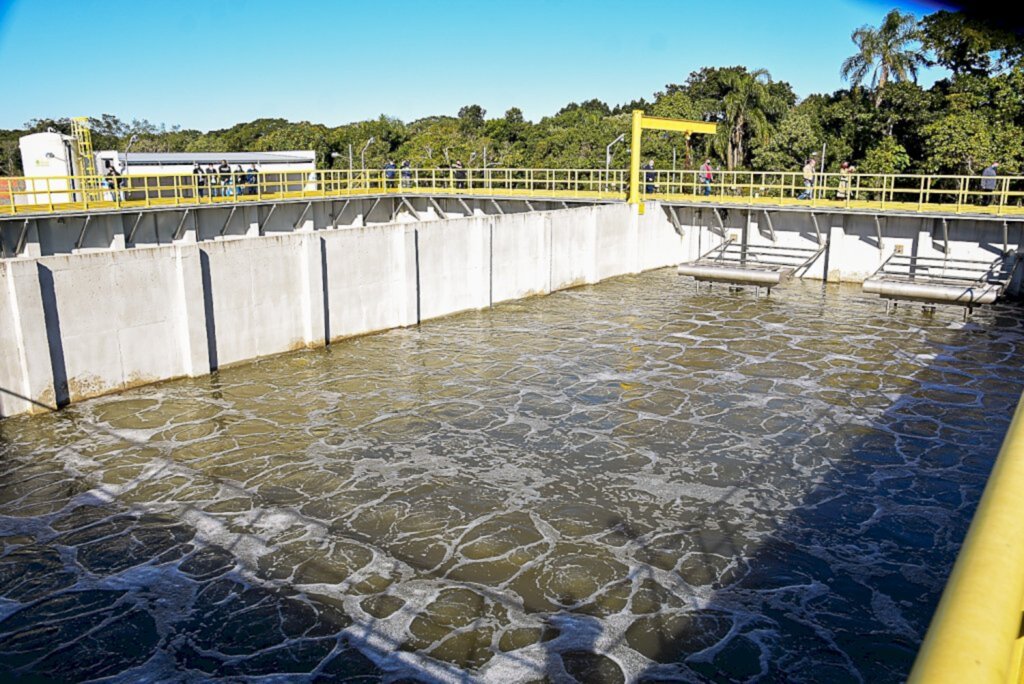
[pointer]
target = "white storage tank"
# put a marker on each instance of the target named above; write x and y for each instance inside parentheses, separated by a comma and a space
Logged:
(48, 160)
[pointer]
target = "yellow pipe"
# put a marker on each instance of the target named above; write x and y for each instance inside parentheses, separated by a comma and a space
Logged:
(974, 633)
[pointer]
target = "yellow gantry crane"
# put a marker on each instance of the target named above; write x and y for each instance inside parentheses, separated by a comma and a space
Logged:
(657, 123)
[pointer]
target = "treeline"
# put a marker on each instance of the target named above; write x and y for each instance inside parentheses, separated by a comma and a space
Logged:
(884, 122)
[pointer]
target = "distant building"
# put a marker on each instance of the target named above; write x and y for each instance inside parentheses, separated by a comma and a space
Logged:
(174, 163)
(50, 159)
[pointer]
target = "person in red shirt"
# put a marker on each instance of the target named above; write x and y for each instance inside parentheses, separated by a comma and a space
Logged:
(706, 176)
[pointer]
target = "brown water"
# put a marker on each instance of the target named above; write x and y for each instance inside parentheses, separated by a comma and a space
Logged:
(634, 481)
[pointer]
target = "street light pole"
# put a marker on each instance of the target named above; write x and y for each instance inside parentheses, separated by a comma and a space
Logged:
(362, 154)
(608, 151)
(131, 141)
(608, 157)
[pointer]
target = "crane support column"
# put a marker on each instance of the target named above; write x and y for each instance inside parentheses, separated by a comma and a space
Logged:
(657, 123)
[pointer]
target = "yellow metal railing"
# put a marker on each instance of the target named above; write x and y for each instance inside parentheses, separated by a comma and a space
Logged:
(875, 192)
(872, 192)
(975, 634)
(25, 195)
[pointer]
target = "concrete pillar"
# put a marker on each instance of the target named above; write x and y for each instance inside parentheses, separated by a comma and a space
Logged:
(251, 220)
(192, 308)
(188, 235)
(836, 236)
(312, 262)
(32, 247)
(29, 336)
(924, 241)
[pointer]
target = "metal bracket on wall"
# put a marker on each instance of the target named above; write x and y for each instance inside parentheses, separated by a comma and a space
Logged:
(771, 226)
(261, 228)
(231, 215)
(135, 227)
(529, 206)
(497, 207)
(674, 219)
(817, 229)
(718, 217)
(334, 221)
(412, 210)
(878, 232)
(372, 207)
(19, 246)
(302, 216)
(181, 225)
(437, 208)
(81, 236)
(469, 212)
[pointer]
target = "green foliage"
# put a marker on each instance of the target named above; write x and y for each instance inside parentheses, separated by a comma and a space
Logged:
(796, 138)
(966, 46)
(886, 53)
(885, 156)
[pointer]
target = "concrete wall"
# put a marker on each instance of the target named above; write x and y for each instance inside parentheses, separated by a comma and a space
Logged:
(853, 251)
(93, 322)
(217, 292)
(80, 325)
(154, 226)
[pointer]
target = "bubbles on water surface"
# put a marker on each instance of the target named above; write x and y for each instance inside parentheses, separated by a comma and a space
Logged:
(626, 482)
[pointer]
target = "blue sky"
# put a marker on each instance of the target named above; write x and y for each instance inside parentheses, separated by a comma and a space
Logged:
(209, 64)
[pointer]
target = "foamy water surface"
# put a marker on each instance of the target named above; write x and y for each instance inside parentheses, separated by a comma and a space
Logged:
(640, 480)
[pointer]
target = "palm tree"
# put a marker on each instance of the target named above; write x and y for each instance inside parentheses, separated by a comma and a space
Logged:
(886, 53)
(746, 106)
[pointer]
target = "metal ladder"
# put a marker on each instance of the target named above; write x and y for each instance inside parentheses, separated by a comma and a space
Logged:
(85, 161)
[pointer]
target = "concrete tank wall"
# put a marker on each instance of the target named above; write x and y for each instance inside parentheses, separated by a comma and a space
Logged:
(213, 291)
(94, 322)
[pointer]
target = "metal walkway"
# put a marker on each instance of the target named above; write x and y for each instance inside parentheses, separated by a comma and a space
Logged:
(761, 266)
(940, 280)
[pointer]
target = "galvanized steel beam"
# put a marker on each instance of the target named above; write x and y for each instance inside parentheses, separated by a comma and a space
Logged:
(81, 235)
(231, 215)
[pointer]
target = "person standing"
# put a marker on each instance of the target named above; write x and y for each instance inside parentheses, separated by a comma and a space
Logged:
(240, 188)
(706, 176)
(460, 175)
(808, 174)
(649, 186)
(224, 170)
(198, 179)
(988, 183)
(211, 179)
(389, 174)
(845, 171)
(406, 174)
(251, 179)
(108, 183)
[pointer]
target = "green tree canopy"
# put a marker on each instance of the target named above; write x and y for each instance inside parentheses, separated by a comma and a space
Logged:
(886, 53)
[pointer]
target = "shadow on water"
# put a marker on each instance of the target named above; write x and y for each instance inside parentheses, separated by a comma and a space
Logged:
(844, 586)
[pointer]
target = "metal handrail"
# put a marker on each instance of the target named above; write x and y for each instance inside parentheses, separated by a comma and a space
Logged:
(975, 634)
(875, 192)
(63, 193)
(898, 192)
